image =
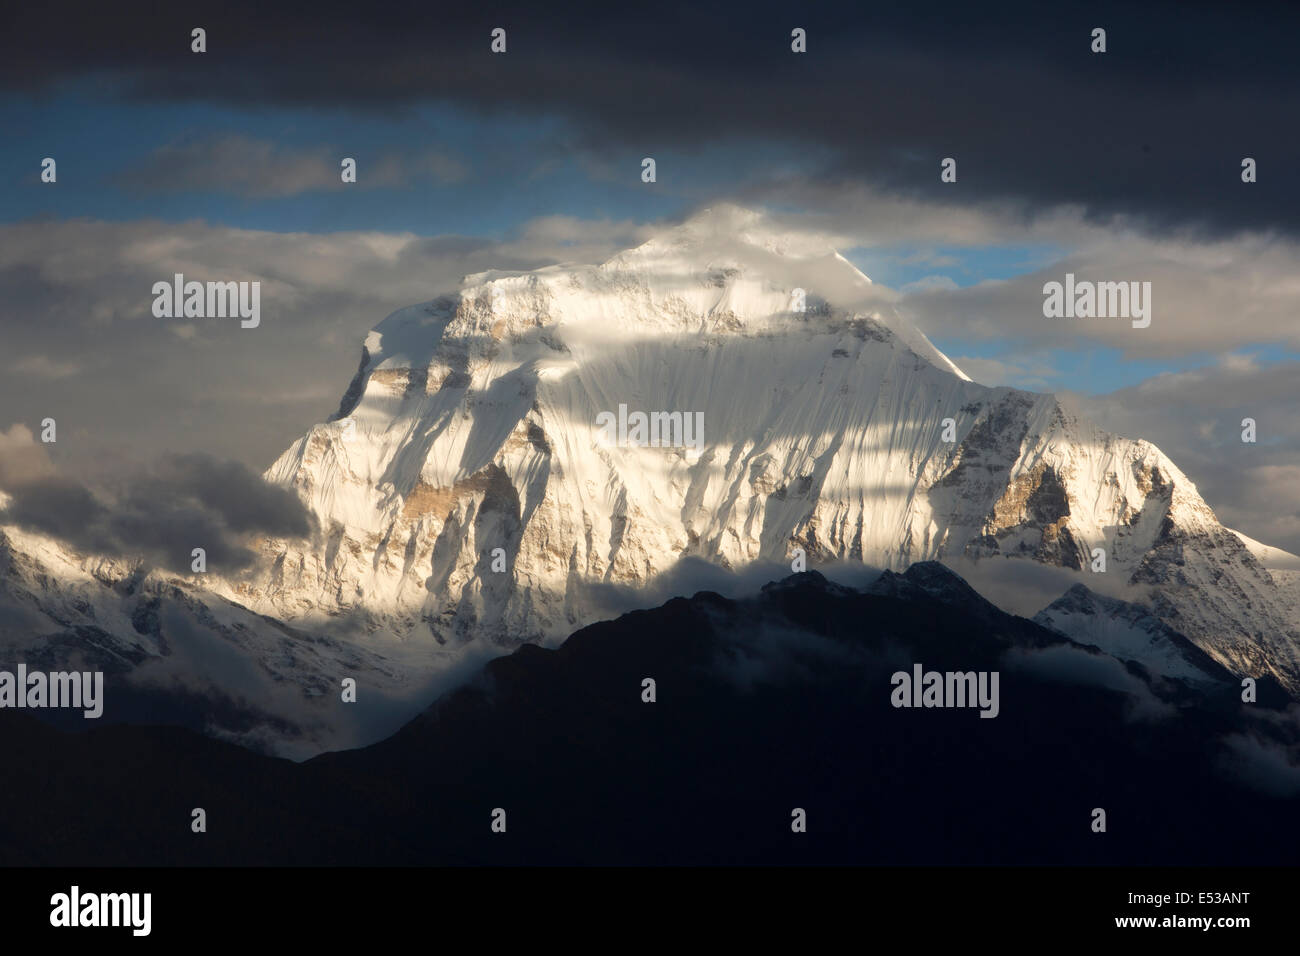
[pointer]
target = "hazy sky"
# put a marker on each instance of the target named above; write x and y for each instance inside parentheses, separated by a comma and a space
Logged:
(1117, 166)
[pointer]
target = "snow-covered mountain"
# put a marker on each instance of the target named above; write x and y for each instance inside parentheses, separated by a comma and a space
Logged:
(174, 651)
(473, 424)
(471, 493)
(1130, 632)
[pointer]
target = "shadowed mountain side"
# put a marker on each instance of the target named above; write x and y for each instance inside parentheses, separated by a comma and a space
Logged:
(763, 705)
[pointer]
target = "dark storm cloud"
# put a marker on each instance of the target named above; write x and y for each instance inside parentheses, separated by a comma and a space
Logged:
(61, 508)
(242, 500)
(1156, 127)
(258, 169)
(185, 502)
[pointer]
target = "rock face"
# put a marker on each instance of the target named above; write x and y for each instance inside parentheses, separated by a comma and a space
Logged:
(467, 491)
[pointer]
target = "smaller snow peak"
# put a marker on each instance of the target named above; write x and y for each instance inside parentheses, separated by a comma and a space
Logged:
(794, 582)
(934, 574)
(803, 586)
(932, 580)
(1078, 598)
(941, 581)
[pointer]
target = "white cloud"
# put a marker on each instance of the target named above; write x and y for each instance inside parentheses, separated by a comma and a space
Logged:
(934, 283)
(1205, 297)
(1195, 417)
(1209, 294)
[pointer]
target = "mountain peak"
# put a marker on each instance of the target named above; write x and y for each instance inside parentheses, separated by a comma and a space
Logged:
(496, 474)
(750, 236)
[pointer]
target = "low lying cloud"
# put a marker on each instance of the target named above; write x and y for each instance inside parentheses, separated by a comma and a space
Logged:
(184, 502)
(1265, 765)
(1024, 587)
(1070, 665)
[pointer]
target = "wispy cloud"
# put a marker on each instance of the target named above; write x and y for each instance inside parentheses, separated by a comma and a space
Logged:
(44, 367)
(260, 169)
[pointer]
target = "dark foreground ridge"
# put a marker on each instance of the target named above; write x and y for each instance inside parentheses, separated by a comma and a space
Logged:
(764, 705)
